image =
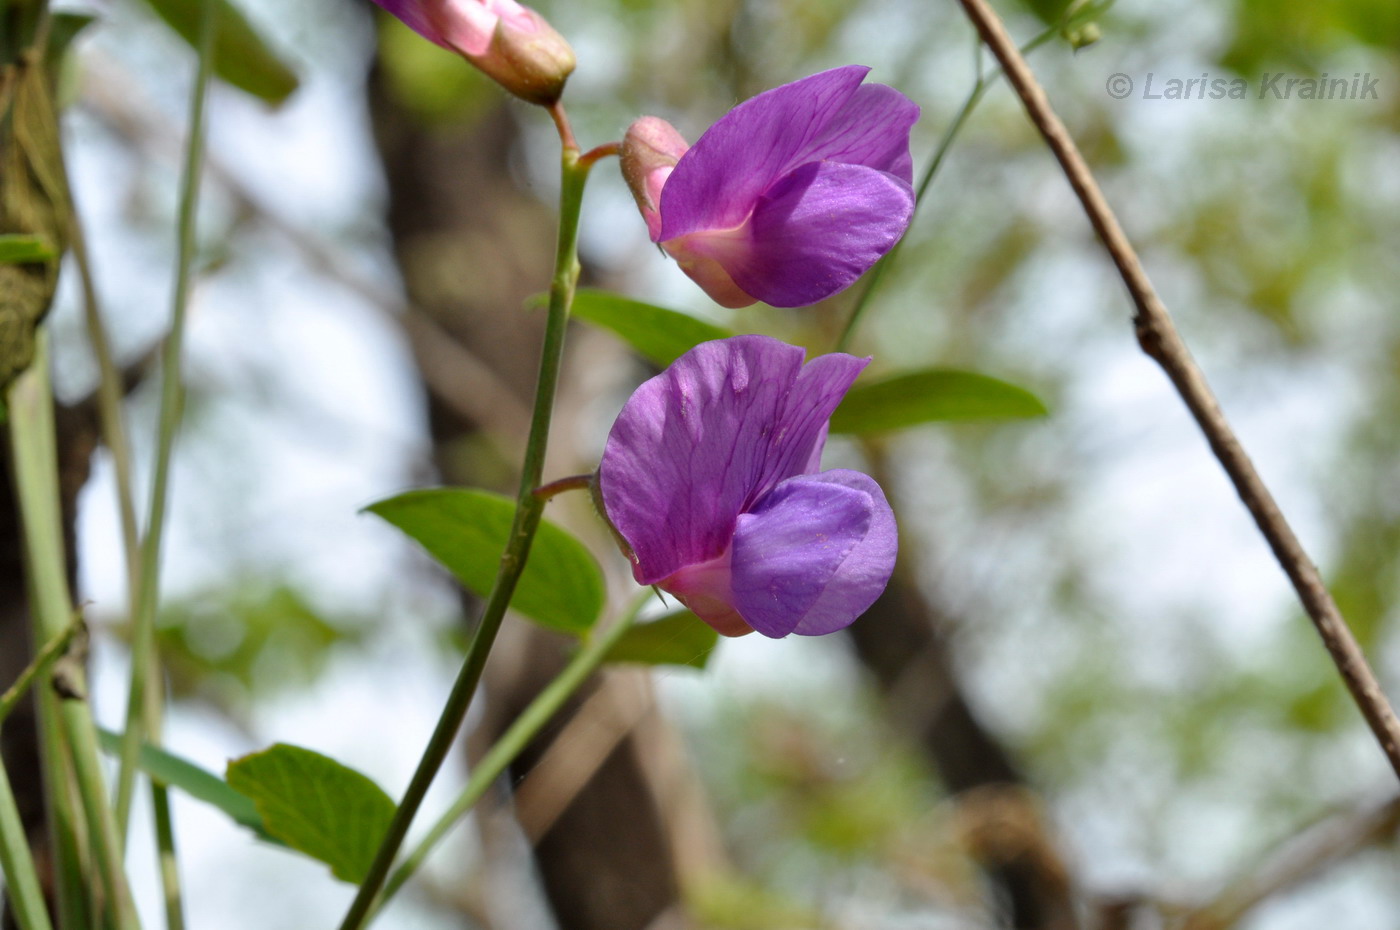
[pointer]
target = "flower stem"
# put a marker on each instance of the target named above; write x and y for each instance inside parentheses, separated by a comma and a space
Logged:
(140, 705)
(600, 152)
(528, 511)
(572, 483)
(503, 752)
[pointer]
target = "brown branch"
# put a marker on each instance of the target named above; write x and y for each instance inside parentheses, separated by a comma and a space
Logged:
(1157, 334)
(1304, 858)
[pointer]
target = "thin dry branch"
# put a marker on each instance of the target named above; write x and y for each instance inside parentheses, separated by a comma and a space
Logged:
(1158, 336)
(1304, 858)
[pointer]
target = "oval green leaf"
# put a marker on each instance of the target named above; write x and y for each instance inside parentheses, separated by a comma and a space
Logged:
(929, 396)
(466, 530)
(241, 57)
(658, 335)
(680, 638)
(317, 806)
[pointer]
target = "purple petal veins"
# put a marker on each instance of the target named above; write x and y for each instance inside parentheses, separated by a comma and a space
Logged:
(709, 475)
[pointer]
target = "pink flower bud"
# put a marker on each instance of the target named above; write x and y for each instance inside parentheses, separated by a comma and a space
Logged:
(650, 149)
(511, 43)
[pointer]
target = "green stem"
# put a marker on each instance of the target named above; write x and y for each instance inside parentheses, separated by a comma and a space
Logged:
(46, 657)
(545, 705)
(528, 510)
(109, 404)
(68, 720)
(169, 866)
(172, 397)
(979, 90)
(114, 434)
(22, 888)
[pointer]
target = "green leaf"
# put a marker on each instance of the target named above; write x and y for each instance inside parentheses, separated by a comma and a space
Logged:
(18, 249)
(680, 638)
(241, 57)
(202, 785)
(657, 334)
(932, 395)
(316, 806)
(466, 530)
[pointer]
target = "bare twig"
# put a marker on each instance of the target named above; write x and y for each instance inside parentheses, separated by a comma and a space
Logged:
(1159, 338)
(1302, 859)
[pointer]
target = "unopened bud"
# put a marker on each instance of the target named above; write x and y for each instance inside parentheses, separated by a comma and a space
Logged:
(509, 42)
(650, 150)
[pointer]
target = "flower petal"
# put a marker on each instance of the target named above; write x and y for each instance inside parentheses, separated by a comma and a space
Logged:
(872, 129)
(689, 448)
(790, 550)
(866, 571)
(818, 230)
(701, 442)
(801, 432)
(718, 181)
(415, 17)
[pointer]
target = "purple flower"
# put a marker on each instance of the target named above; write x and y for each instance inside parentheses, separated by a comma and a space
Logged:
(511, 43)
(787, 199)
(710, 478)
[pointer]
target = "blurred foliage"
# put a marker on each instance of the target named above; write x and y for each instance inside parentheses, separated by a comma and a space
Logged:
(242, 57)
(820, 801)
(249, 642)
(1303, 35)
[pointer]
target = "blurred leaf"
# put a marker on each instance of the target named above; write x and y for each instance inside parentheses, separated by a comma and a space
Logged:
(249, 639)
(466, 530)
(742, 904)
(677, 639)
(241, 57)
(932, 395)
(18, 249)
(657, 334)
(174, 772)
(1303, 40)
(316, 806)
